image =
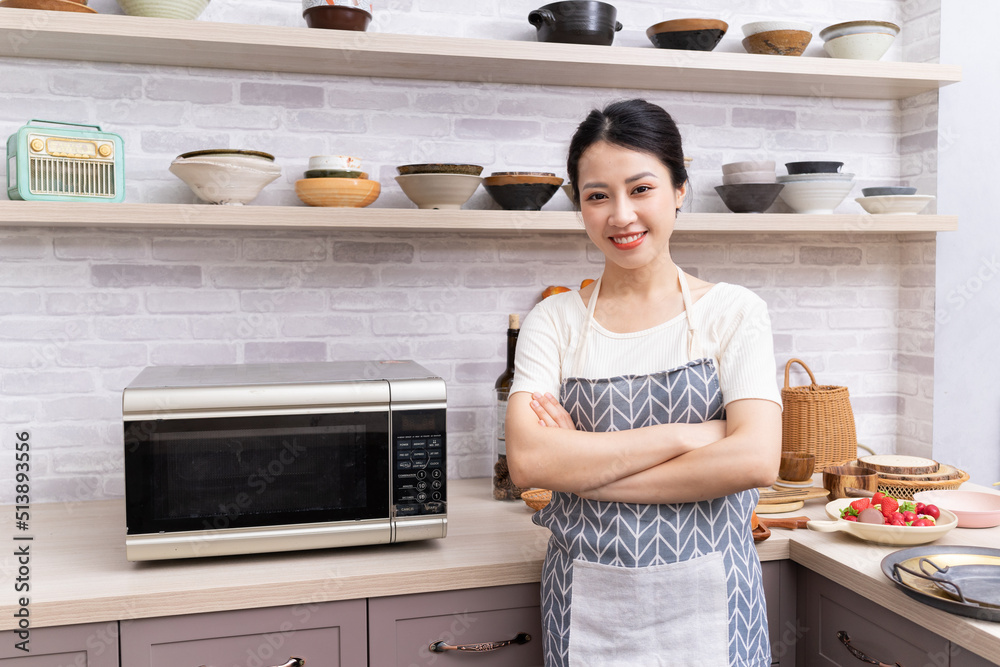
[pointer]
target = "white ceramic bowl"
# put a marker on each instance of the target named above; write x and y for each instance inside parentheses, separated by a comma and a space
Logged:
(364, 5)
(344, 162)
(175, 9)
(974, 509)
(859, 46)
(895, 204)
(767, 26)
(741, 177)
(858, 27)
(815, 196)
(232, 179)
(748, 165)
(818, 176)
(439, 190)
(882, 534)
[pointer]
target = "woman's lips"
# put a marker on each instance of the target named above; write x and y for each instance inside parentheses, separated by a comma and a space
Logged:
(628, 241)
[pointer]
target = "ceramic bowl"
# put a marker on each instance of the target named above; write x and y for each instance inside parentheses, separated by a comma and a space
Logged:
(895, 204)
(439, 191)
(778, 42)
(974, 509)
(858, 27)
(522, 191)
(334, 162)
(343, 192)
(748, 177)
(821, 176)
(748, 165)
(439, 168)
(335, 173)
(336, 17)
(883, 190)
(226, 177)
(749, 197)
(815, 196)
(178, 9)
(49, 5)
(770, 26)
(576, 22)
(814, 167)
(862, 46)
(687, 34)
(568, 189)
(882, 534)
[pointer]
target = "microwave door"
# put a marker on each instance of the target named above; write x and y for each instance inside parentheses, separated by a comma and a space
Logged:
(223, 473)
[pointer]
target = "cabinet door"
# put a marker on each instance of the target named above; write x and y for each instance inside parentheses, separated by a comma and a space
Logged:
(961, 657)
(828, 609)
(85, 645)
(402, 628)
(328, 633)
(779, 592)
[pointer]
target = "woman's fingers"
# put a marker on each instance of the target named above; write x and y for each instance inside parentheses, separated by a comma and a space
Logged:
(550, 412)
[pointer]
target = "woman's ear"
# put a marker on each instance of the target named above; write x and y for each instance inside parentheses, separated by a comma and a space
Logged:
(679, 195)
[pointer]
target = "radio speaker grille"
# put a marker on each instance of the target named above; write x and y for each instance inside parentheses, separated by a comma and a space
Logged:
(81, 178)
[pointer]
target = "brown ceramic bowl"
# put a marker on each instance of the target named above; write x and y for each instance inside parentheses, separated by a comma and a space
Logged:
(439, 168)
(837, 479)
(796, 466)
(336, 17)
(778, 42)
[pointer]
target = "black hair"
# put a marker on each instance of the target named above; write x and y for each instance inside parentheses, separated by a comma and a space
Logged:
(635, 124)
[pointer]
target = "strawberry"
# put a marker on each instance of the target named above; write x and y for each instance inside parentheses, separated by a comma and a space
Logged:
(877, 498)
(850, 517)
(861, 504)
(888, 505)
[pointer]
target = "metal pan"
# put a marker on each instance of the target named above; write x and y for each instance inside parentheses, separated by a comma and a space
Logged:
(894, 567)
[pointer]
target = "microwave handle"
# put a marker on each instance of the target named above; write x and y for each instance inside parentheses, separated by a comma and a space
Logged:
(292, 662)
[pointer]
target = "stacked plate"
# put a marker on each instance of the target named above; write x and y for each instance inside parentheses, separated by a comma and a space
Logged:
(749, 186)
(893, 200)
(815, 186)
(439, 185)
(336, 180)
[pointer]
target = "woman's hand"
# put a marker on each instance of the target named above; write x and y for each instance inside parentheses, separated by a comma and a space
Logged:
(550, 412)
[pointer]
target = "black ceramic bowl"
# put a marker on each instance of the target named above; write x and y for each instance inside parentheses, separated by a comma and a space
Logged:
(888, 190)
(337, 17)
(521, 191)
(749, 197)
(687, 34)
(813, 167)
(576, 22)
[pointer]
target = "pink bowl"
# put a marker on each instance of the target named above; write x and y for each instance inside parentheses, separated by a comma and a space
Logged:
(974, 509)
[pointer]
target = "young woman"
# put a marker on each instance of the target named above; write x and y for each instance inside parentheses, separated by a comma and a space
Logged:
(647, 402)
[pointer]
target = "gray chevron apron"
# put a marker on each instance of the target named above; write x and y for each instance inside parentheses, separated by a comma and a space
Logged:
(677, 585)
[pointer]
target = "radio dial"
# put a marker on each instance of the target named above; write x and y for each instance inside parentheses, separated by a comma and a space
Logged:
(104, 150)
(37, 145)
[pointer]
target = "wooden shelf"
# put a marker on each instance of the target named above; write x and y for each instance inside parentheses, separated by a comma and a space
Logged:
(196, 216)
(147, 41)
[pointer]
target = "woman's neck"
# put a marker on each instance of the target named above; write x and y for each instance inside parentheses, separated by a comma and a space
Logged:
(651, 281)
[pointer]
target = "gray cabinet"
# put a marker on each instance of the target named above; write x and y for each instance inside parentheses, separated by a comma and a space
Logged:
(332, 634)
(961, 657)
(84, 645)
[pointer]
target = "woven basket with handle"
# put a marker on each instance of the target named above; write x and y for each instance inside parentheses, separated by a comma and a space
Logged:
(817, 419)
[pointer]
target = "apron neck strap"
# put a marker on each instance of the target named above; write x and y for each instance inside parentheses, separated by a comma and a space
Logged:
(694, 345)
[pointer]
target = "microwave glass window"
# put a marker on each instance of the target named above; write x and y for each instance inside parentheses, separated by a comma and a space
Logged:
(213, 473)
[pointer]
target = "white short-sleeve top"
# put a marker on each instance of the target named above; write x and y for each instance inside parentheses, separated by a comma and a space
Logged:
(733, 328)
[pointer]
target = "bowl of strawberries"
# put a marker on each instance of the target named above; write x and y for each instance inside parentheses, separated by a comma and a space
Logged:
(886, 520)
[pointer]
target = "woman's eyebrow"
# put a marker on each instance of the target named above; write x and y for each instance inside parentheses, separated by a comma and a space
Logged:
(645, 174)
(594, 185)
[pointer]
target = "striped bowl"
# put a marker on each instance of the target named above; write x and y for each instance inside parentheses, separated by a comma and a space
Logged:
(164, 9)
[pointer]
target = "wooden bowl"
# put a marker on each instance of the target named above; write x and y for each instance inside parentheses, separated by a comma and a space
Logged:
(837, 479)
(778, 42)
(796, 466)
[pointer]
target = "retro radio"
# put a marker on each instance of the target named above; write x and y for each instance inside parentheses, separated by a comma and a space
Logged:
(71, 162)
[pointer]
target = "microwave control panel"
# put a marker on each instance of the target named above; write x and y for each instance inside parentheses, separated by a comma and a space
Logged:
(419, 479)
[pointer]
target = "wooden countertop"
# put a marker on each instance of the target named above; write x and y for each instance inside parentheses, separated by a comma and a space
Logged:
(78, 571)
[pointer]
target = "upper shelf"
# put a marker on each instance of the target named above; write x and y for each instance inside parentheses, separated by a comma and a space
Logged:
(205, 216)
(147, 41)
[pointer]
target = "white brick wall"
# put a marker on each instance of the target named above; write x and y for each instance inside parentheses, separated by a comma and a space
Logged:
(85, 310)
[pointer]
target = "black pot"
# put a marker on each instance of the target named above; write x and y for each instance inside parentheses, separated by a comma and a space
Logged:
(576, 22)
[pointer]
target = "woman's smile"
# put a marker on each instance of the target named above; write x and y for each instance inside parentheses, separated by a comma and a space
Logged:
(628, 241)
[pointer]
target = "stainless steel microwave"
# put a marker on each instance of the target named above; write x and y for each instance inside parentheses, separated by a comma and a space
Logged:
(223, 460)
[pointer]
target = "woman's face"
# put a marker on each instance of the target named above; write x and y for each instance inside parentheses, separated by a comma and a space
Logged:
(628, 202)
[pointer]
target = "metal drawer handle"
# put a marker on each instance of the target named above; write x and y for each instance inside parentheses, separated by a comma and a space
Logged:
(846, 640)
(442, 646)
(292, 662)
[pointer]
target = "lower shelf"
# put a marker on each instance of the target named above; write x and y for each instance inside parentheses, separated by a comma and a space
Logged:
(184, 216)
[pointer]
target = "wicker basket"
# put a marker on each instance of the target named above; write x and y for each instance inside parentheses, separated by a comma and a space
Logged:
(536, 499)
(817, 419)
(904, 490)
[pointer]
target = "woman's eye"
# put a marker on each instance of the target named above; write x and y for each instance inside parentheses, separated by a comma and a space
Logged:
(595, 196)
(642, 188)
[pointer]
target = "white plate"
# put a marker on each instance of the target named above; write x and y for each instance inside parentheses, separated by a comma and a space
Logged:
(895, 204)
(890, 535)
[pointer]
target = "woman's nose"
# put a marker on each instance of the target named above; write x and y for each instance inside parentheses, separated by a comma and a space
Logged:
(623, 213)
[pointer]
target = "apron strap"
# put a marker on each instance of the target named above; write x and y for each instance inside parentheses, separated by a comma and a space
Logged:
(581, 350)
(694, 345)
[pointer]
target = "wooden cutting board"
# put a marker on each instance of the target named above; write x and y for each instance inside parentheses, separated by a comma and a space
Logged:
(775, 496)
(899, 465)
(778, 508)
(944, 473)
